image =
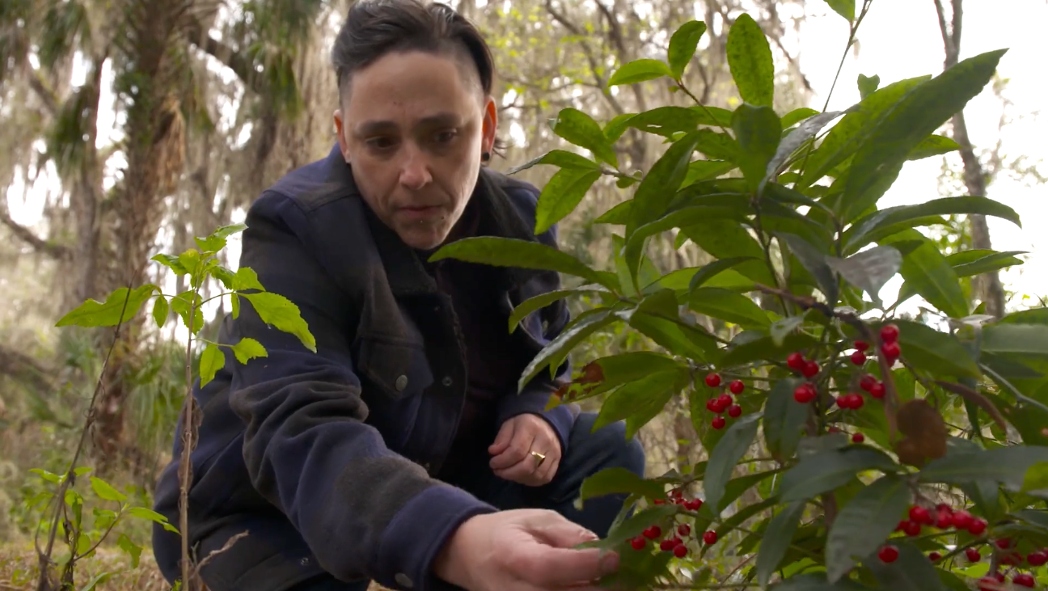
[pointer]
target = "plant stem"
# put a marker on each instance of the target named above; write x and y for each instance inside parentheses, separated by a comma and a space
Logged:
(185, 472)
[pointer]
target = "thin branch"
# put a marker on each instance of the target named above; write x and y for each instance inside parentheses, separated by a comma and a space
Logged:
(26, 235)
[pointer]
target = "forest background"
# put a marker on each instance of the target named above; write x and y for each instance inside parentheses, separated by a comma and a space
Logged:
(127, 130)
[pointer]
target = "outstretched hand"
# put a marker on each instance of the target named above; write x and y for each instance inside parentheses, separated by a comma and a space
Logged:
(523, 550)
(512, 452)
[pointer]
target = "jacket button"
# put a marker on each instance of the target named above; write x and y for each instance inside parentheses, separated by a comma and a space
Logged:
(401, 383)
(404, 580)
(446, 381)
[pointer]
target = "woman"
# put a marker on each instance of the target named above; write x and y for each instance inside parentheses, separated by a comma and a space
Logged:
(399, 451)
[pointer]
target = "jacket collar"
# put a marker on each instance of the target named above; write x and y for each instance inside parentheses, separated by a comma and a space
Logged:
(406, 268)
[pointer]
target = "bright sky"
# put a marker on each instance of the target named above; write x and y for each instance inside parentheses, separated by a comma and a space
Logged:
(899, 39)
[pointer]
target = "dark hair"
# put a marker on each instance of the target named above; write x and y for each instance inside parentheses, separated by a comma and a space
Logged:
(375, 28)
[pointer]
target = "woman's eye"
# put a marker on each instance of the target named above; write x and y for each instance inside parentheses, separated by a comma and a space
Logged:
(380, 143)
(445, 137)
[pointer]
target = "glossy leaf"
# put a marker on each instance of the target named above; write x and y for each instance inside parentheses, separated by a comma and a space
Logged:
(911, 571)
(641, 399)
(925, 269)
(580, 129)
(869, 270)
(863, 524)
(814, 261)
(797, 115)
(732, 446)
(968, 263)
(619, 480)
(827, 470)
(656, 191)
(758, 131)
(784, 419)
(282, 314)
(536, 303)
(160, 310)
(845, 8)
(887, 222)
(565, 342)
(665, 121)
(1021, 339)
(776, 540)
(917, 116)
(750, 61)
(731, 241)
(1007, 465)
(796, 138)
(718, 145)
(868, 85)
(640, 70)
(562, 194)
(682, 46)
(120, 306)
(211, 361)
(524, 254)
(559, 158)
(703, 170)
(931, 350)
(933, 145)
(247, 349)
(713, 268)
(105, 491)
(729, 306)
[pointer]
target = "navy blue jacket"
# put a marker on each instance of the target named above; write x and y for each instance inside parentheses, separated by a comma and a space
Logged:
(328, 459)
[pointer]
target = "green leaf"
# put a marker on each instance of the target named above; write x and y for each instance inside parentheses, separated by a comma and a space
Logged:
(814, 261)
(713, 116)
(776, 541)
(634, 365)
(915, 117)
(105, 491)
(784, 419)
(561, 158)
(171, 262)
(121, 305)
(926, 271)
(864, 523)
(133, 550)
(666, 121)
(562, 194)
(580, 129)
(764, 348)
(968, 263)
(151, 515)
(182, 303)
(850, 133)
(281, 313)
(719, 146)
(845, 8)
(565, 342)
(682, 46)
(667, 330)
(610, 481)
(98, 579)
(933, 145)
(729, 306)
(750, 61)
(795, 139)
(912, 571)
(703, 170)
(522, 254)
(892, 220)
(640, 70)
(657, 189)
(713, 268)
(1029, 340)
(1007, 465)
(211, 360)
(617, 216)
(797, 115)
(246, 279)
(732, 446)
(827, 470)
(869, 270)
(758, 131)
(536, 303)
(160, 310)
(247, 349)
(641, 400)
(938, 352)
(730, 241)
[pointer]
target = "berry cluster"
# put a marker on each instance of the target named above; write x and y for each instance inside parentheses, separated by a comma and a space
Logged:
(724, 402)
(674, 541)
(889, 350)
(945, 518)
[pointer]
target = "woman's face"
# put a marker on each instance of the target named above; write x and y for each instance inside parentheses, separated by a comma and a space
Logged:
(414, 126)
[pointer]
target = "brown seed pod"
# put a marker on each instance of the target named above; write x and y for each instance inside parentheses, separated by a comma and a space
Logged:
(925, 433)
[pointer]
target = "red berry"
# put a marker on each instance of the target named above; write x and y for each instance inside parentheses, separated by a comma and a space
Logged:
(919, 514)
(736, 387)
(912, 529)
(889, 333)
(858, 358)
(811, 369)
(866, 382)
(713, 380)
(676, 493)
(1003, 543)
(977, 527)
(944, 519)
(667, 545)
(804, 393)
(856, 401)
(888, 554)
(858, 438)
(710, 537)
(711, 405)
(972, 555)
(1024, 580)
(795, 361)
(653, 532)
(660, 502)
(989, 584)
(718, 423)
(861, 345)
(877, 390)
(891, 351)
(902, 524)
(1038, 558)
(684, 529)
(961, 519)
(724, 401)
(680, 551)
(934, 556)
(734, 411)
(638, 542)
(1012, 559)
(693, 505)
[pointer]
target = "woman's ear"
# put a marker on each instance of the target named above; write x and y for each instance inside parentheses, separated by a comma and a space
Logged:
(340, 131)
(491, 124)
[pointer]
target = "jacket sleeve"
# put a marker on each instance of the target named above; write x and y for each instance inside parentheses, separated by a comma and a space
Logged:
(364, 510)
(536, 394)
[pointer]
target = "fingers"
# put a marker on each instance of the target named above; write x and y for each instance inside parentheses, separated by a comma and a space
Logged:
(503, 438)
(564, 534)
(515, 452)
(549, 567)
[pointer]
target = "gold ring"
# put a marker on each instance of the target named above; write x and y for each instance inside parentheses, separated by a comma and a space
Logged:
(539, 458)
